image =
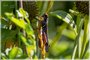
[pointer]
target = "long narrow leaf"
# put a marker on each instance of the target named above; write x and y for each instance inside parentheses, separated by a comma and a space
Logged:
(78, 37)
(85, 36)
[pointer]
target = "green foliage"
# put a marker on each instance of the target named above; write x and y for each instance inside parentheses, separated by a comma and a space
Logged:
(81, 39)
(20, 23)
(27, 28)
(13, 52)
(67, 40)
(66, 17)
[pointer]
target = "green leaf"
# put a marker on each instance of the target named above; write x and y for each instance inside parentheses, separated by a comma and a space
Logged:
(77, 45)
(13, 53)
(66, 17)
(29, 30)
(28, 21)
(69, 34)
(20, 52)
(50, 5)
(27, 42)
(43, 7)
(85, 36)
(73, 12)
(23, 12)
(24, 40)
(30, 50)
(18, 22)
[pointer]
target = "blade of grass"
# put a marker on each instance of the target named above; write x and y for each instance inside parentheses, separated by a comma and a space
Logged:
(86, 48)
(74, 52)
(77, 50)
(79, 35)
(85, 39)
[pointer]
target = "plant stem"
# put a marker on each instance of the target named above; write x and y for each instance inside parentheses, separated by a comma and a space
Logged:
(21, 4)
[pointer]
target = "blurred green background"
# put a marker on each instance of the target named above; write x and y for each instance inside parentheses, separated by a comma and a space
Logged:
(62, 48)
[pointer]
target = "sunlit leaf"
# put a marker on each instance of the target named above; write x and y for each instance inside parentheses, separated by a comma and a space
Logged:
(30, 50)
(24, 40)
(77, 45)
(66, 17)
(74, 12)
(13, 53)
(85, 42)
(29, 30)
(23, 12)
(69, 34)
(20, 52)
(18, 22)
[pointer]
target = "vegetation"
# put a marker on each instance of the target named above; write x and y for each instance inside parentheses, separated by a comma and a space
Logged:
(45, 30)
